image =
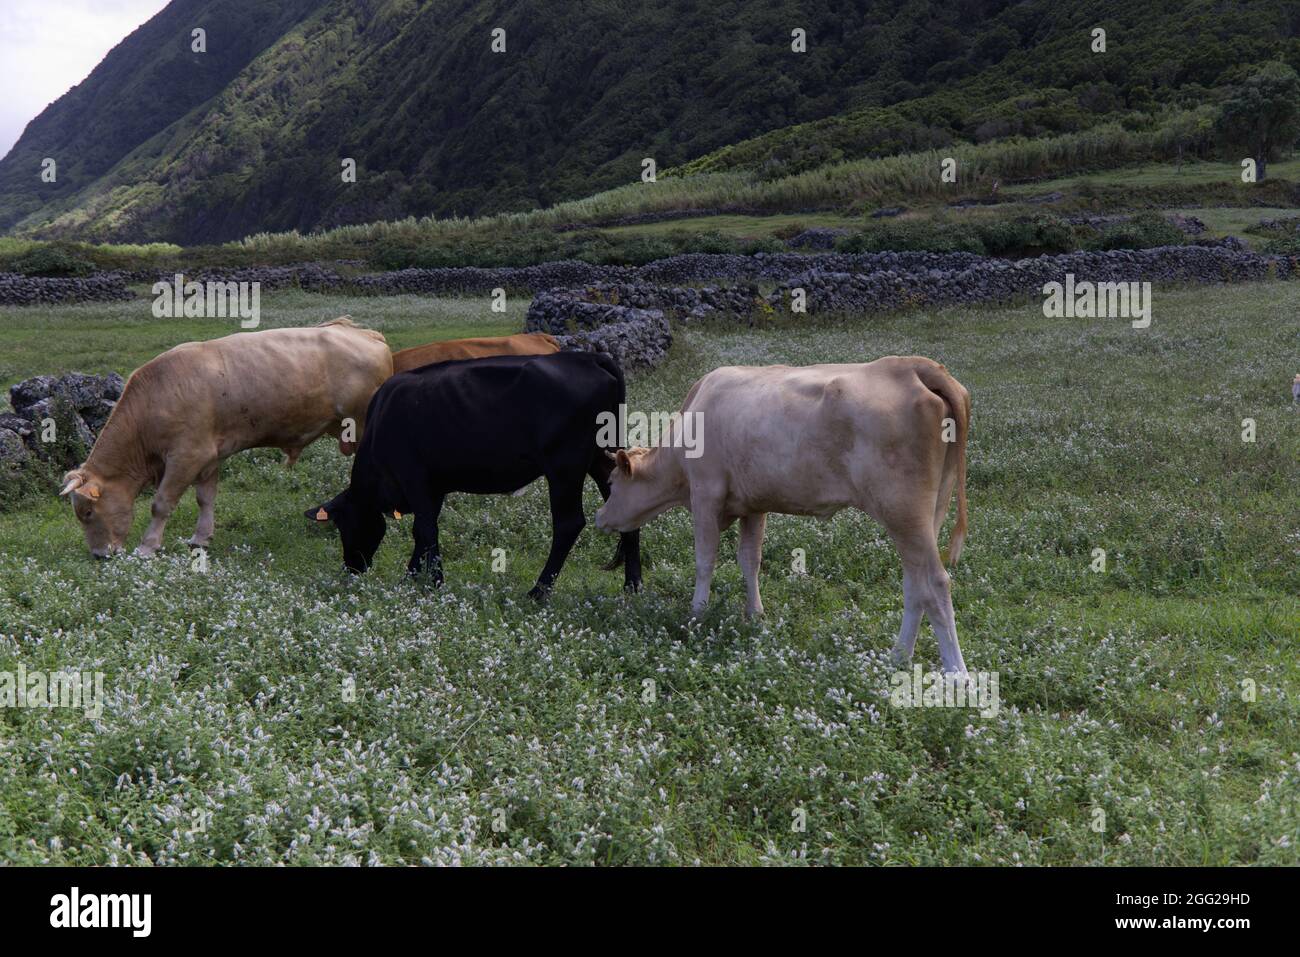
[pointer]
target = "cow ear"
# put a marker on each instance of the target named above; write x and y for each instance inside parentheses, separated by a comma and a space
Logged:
(623, 461)
(91, 490)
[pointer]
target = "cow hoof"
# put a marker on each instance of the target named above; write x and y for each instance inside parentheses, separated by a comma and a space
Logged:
(539, 594)
(632, 587)
(144, 551)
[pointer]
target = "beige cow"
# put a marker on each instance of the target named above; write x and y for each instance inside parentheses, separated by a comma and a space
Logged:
(810, 441)
(201, 402)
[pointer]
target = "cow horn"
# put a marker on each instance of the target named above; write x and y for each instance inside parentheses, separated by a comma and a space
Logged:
(74, 481)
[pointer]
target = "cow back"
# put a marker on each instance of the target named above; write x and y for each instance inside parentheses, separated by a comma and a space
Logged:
(523, 344)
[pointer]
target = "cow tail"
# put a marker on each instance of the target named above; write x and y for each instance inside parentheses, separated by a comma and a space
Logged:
(617, 369)
(937, 379)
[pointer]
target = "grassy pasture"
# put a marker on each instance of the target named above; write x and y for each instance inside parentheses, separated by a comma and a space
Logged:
(1220, 221)
(737, 224)
(1120, 691)
(1167, 173)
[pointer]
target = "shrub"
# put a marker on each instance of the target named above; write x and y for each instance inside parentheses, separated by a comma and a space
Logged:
(1001, 237)
(931, 237)
(765, 244)
(1025, 237)
(53, 259)
(1144, 231)
(1284, 245)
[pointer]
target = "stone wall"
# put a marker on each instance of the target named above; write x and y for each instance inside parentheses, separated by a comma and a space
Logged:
(75, 401)
(635, 337)
(19, 290)
(998, 280)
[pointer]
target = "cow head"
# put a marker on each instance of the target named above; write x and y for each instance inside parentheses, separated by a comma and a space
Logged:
(640, 489)
(361, 529)
(103, 506)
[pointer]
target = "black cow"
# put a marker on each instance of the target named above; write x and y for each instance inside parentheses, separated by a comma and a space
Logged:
(486, 426)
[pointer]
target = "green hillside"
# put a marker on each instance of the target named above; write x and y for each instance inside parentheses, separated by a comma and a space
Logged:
(145, 87)
(246, 138)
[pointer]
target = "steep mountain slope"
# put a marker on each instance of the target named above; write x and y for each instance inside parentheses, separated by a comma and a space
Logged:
(439, 123)
(148, 81)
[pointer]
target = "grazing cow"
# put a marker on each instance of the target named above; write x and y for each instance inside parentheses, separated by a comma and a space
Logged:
(811, 441)
(484, 426)
(522, 344)
(201, 402)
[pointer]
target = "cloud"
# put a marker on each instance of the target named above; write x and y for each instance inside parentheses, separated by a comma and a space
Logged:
(49, 46)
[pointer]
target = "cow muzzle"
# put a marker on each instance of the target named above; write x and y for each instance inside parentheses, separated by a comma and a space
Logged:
(603, 524)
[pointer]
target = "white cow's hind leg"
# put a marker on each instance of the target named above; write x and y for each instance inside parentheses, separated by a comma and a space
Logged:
(926, 589)
(938, 606)
(906, 643)
(750, 554)
(707, 532)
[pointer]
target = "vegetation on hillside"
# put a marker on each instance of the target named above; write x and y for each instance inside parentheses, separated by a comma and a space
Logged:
(1262, 115)
(139, 98)
(439, 124)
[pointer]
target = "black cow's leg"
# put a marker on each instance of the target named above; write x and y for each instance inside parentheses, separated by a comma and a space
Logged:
(628, 553)
(426, 557)
(630, 544)
(567, 521)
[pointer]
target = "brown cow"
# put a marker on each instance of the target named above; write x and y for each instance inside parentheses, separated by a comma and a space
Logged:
(523, 344)
(887, 437)
(201, 402)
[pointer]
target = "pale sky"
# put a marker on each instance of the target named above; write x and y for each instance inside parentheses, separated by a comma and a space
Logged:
(49, 46)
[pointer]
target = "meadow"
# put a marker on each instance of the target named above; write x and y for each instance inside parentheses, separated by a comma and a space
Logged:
(271, 709)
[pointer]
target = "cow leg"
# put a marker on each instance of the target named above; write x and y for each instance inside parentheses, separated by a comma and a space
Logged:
(628, 553)
(750, 555)
(906, 643)
(426, 557)
(177, 477)
(707, 532)
(943, 620)
(930, 592)
(205, 491)
(567, 522)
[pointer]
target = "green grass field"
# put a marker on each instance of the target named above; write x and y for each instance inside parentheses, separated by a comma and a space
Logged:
(1221, 220)
(1195, 172)
(738, 225)
(1124, 735)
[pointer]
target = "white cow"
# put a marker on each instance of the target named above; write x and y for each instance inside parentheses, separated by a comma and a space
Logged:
(887, 437)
